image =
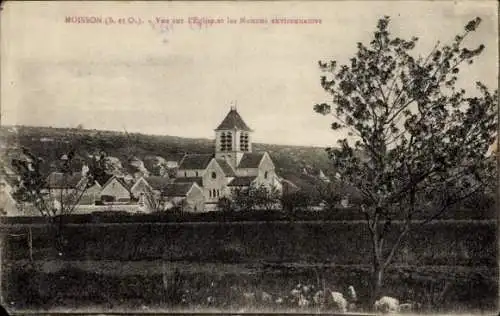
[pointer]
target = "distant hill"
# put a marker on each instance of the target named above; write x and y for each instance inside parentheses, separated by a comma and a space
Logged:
(300, 164)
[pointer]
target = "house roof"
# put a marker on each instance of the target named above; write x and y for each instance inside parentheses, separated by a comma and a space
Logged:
(157, 183)
(250, 160)
(241, 182)
(289, 183)
(195, 161)
(233, 120)
(178, 189)
(103, 179)
(121, 181)
(226, 167)
(198, 180)
(57, 180)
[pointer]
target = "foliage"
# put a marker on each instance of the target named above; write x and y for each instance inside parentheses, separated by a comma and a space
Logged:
(295, 200)
(256, 197)
(179, 206)
(225, 204)
(416, 142)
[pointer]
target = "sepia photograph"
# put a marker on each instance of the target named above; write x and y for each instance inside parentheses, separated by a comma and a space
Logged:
(249, 157)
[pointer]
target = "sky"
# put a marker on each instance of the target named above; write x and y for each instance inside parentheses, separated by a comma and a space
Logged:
(181, 81)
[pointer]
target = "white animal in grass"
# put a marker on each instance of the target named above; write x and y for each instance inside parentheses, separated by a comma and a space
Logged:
(351, 297)
(351, 294)
(303, 301)
(210, 300)
(319, 298)
(387, 304)
(266, 297)
(295, 293)
(249, 297)
(338, 301)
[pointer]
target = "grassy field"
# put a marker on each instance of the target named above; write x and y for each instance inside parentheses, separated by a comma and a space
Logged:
(142, 284)
(449, 265)
(440, 243)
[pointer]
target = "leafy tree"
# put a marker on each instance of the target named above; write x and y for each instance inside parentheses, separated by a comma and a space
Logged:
(242, 199)
(295, 200)
(328, 194)
(416, 142)
(225, 204)
(256, 197)
(179, 205)
(265, 198)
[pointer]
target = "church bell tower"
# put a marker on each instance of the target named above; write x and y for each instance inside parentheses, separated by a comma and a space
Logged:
(232, 138)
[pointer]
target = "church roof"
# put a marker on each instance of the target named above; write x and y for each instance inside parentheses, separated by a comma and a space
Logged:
(178, 189)
(228, 170)
(233, 120)
(241, 182)
(195, 161)
(250, 160)
(198, 180)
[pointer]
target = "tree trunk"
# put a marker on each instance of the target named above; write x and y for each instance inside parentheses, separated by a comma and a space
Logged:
(377, 282)
(30, 243)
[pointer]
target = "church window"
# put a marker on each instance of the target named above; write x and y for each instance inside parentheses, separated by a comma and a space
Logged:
(214, 175)
(265, 175)
(210, 193)
(223, 142)
(244, 142)
(229, 141)
(196, 173)
(217, 193)
(185, 173)
(213, 193)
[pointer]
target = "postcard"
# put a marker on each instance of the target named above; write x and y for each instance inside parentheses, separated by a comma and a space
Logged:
(317, 157)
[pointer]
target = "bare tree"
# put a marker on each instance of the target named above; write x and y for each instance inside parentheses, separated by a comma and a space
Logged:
(52, 200)
(152, 200)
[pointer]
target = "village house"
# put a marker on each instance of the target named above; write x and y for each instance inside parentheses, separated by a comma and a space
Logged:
(115, 191)
(72, 185)
(149, 188)
(185, 196)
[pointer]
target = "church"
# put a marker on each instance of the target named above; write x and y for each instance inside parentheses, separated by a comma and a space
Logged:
(233, 165)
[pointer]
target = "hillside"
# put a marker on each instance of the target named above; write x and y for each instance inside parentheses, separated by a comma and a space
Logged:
(133, 152)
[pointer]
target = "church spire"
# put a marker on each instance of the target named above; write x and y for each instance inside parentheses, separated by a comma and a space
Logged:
(232, 121)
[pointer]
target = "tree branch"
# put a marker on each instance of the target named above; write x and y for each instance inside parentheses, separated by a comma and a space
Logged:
(448, 204)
